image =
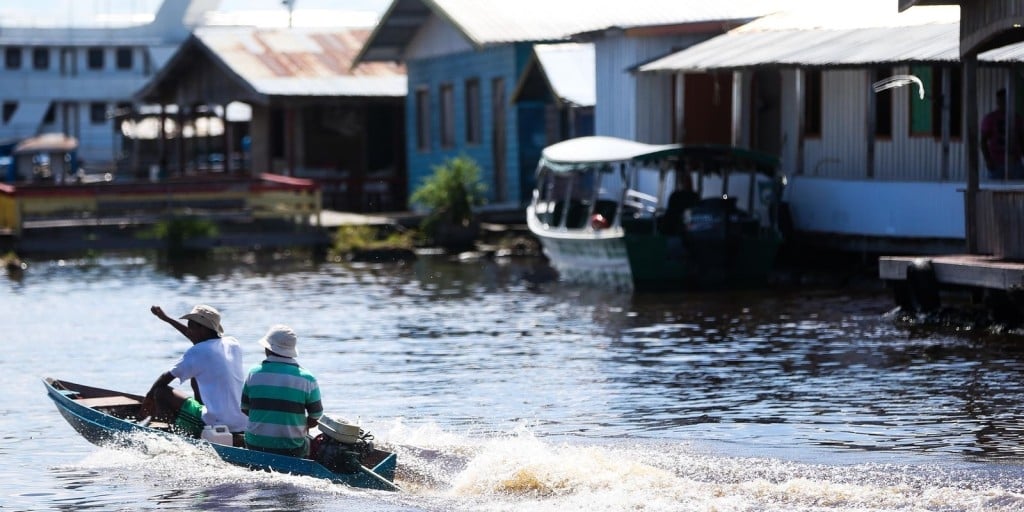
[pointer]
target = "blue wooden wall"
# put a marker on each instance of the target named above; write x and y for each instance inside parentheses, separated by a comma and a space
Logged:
(504, 61)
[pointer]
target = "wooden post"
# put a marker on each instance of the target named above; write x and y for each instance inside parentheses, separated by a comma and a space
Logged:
(679, 92)
(737, 109)
(289, 140)
(970, 74)
(869, 125)
(947, 95)
(1010, 118)
(798, 76)
(229, 144)
(134, 117)
(180, 118)
(162, 142)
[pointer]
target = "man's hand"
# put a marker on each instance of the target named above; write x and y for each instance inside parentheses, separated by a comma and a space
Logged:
(158, 312)
(148, 407)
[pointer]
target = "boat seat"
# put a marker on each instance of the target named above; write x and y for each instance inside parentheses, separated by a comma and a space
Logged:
(108, 401)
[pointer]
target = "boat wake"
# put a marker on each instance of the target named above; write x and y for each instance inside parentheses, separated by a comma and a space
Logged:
(441, 470)
(520, 471)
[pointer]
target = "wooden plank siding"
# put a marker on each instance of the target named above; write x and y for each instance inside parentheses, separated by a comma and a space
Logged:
(987, 24)
(841, 150)
(486, 65)
(639, 109)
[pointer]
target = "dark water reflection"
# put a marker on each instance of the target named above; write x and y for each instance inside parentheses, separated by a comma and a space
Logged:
(825, 368)
(480, 349)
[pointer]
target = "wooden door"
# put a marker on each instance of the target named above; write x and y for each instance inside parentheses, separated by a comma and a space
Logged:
(707, 108)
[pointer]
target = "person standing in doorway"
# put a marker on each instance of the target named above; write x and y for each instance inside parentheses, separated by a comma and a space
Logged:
(994, 142)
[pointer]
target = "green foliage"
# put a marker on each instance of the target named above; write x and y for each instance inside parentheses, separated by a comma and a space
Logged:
(181, 228)
(174, 232)
(355, 238)
(451, 193)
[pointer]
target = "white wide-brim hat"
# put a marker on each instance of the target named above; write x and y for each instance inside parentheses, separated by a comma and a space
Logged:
(281, 340)
(206, 316)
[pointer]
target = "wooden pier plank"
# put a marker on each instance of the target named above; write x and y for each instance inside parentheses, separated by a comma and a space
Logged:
(959, 269)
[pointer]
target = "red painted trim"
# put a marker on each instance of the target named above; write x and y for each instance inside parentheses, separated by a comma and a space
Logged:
(287, 180)
(265, 182)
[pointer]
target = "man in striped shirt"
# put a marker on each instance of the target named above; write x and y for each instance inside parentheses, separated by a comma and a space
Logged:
(281, 398)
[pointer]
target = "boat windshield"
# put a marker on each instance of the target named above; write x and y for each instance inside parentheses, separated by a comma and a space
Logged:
(595, 183)
(570, 199)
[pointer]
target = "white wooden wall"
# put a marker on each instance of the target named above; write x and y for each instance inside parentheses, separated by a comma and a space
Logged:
(633, 105)
(841, 151)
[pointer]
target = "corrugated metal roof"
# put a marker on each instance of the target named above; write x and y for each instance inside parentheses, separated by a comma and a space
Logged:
(492, 21)
(303, 62)
(836, 37)
(569, 68)
(1011, 53)
(486, 22)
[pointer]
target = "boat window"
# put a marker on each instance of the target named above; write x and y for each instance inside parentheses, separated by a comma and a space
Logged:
(552, 188)
(609, 193)
(581, 197)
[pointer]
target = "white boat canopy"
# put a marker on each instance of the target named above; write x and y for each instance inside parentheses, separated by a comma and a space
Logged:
(586, 151)
(47, 143)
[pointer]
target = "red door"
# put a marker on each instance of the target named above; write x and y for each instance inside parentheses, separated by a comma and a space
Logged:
(707, 108)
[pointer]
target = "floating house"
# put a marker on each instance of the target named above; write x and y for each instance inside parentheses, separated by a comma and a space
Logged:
(311, 113)
(69, 80)
(465, 57)
(865, 106)
(560, 78)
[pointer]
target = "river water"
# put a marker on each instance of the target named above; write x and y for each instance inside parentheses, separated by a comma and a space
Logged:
(500, 391)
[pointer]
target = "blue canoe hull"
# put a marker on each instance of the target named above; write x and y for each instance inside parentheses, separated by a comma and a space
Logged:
(83, 408)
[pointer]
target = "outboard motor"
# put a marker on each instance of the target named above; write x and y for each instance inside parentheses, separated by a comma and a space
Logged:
(340, 446)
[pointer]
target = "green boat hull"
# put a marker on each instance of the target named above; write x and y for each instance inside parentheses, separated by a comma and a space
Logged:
(660, 262)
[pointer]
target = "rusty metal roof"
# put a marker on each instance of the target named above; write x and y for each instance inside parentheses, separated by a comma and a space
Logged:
(302, 62)
(487, 22)
(827, 38)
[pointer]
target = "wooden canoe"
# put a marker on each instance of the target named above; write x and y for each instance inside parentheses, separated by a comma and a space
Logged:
(104, 416)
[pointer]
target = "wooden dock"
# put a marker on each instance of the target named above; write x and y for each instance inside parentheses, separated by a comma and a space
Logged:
(262, 211)
(970, 270)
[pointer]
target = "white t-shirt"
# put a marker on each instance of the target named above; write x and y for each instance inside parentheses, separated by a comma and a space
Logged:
(216, 364)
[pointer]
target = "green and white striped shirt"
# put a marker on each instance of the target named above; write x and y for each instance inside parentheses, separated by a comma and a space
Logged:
(278, 395)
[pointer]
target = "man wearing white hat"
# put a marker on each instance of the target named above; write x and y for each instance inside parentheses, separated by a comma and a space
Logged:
(214, 364)
(281, 398)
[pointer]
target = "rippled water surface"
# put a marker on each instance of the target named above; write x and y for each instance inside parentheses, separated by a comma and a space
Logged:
(500, 392)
